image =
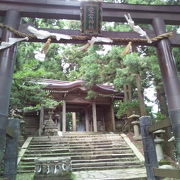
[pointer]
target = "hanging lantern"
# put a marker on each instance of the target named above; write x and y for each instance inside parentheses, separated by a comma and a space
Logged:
(91, 17)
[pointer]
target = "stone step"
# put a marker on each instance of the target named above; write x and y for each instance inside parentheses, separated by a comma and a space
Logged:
(100, 164)
(55, 138)
(78, 138)
(106, 167)
(82, 145)
(79, 147)
(87, 151)
(68, 153)
(52, 150)
(91, 166)
(31, 161)
(113, 174)
(84, 141)
(90, 157)
(77, 135)
(78, 143)
(26, 167)
(22, 171)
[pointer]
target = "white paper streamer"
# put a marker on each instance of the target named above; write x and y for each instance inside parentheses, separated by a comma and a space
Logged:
(11, 42)
(93, 40)
(99, 39)
(136, 28)
(39, 55)
(41, 34)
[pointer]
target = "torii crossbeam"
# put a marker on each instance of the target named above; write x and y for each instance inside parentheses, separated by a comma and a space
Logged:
(157, 16)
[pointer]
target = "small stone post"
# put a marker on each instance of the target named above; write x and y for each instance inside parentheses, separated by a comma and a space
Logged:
(135, 124)
(41, 121)
(149, 148)
(158, 144)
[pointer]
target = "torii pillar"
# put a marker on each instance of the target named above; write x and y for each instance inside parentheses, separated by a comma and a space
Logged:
(7, 61)
(170, 80)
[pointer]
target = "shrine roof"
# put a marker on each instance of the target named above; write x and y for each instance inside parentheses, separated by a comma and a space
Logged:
(79, 85)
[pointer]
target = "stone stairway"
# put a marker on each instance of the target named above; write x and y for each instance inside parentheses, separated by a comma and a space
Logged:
(88, 151)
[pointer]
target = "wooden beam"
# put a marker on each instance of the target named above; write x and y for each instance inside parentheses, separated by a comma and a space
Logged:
(110, 11)
(169, 173)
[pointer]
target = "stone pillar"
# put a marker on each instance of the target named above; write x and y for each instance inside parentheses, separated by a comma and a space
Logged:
(11, 153)
(87, 120)
(64, 116)
(60, 122)
(57, 117)
(158, 144)
(137, 135)
(7, 60)
(113, 118)
(94, 117)
(41, 121)
(50, 128)
(74, 121)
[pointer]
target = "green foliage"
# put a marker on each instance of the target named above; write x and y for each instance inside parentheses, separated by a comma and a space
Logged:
(124, 106)
(66, 62)
(26, 93)
(25, 176)
(159, 117)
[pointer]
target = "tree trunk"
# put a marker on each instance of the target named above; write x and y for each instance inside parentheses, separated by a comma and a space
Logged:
(140, 95)
(125, 93)
(162, 100)
(128, 97)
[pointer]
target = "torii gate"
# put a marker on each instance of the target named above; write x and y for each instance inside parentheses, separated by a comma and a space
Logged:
(158, 16)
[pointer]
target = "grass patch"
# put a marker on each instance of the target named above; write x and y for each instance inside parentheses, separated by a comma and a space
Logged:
(25, 176)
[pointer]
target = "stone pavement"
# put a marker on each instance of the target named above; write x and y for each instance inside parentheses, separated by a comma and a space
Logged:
(119, 174)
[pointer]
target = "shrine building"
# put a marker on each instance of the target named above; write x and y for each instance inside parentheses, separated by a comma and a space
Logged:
(95, 115)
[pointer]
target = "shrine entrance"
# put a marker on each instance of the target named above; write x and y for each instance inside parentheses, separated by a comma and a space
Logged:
(77, 112)
(157, 16)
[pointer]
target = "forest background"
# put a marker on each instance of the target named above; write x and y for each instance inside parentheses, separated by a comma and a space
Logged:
(132, 74)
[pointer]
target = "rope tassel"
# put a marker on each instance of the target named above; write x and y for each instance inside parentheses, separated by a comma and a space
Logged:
(45, 48)
(127, 49)
(41, 54)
